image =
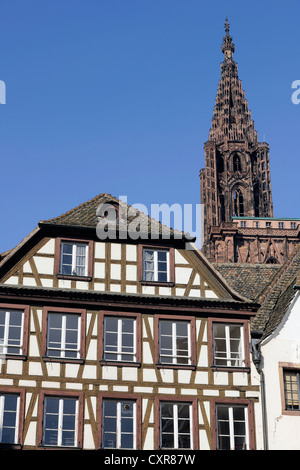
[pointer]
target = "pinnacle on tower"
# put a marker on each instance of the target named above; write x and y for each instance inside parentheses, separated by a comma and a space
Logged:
(231, 119)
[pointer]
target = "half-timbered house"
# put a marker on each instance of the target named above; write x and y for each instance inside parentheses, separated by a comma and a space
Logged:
(124, 342)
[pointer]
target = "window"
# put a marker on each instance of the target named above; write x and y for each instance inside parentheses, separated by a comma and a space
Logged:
(291, 389)
(11, 331)
(238, 203)
(176, 425)
(9, 418)
(60, 423)
(119, 339)
(236, 163)
(243, 224)
(228, 345)
(174, 342)
(293, 225)
(155, 265)
(268, 224)
(281, 224)
(64, 336)
(74, 258)
(232, 427)
(119, 421)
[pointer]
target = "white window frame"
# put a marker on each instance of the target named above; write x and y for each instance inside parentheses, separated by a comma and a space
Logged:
(119, 422)
(155, 261)
(60, 421)
(74, 254)
(62, 348)
(6, 345)
(175, 406)
(175, 358)
(231, 425)
(119, 351)
(228, 358)
(2, 410)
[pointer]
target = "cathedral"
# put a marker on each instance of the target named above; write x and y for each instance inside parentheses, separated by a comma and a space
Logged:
(236, 197)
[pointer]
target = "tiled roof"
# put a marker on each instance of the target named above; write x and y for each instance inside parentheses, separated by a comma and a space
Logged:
(247, 279)
(275, 297)
(270, 285)
(85, 215)
(279, 310)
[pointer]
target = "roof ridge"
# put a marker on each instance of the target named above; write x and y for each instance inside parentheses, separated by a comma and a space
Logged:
(78, 207)
(87, 218)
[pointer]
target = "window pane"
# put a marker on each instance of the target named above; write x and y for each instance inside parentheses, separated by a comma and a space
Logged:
(126, 441)
(111, 324)
(167, 441)
(162, 277)
(162, 256)
(127, 325)
(184, 441)
(166, 327)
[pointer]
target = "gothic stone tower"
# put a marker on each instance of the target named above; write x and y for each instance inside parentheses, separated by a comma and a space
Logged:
(236, 178)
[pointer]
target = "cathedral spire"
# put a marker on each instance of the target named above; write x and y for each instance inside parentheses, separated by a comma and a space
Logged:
(236, 179)
(232, 119)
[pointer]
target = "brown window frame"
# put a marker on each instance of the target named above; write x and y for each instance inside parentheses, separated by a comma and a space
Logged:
(233, 402)
(120, 396)
(245, 324)
(90, 258)
(171, 250)
(120, 314)
(192, 321)
(283, 367)
(21, 392)
(193, 401)
(60, 394)
(82, 313)
(26, 309)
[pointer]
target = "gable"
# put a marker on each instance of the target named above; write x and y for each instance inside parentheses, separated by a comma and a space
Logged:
(115, 268)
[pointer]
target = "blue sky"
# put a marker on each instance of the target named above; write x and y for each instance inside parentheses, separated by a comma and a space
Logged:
(117, 96)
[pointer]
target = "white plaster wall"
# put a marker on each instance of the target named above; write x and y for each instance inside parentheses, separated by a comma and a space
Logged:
(282, 347)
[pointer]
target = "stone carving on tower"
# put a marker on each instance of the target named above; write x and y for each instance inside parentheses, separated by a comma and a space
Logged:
(236, 179)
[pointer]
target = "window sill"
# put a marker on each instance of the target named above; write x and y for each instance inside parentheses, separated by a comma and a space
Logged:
(6, 446)
(21, 357)
(176, 366)
(119, 363)
(230, 369)
(63, 359)
(49, 447)
(158, 283)
(74, 277)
